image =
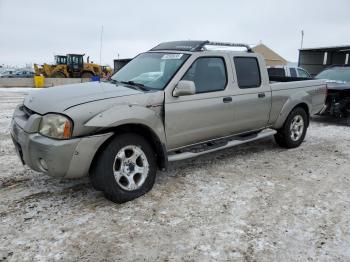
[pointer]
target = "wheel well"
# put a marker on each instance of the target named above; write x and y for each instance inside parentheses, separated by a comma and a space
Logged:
(145, 132)
(306, 108)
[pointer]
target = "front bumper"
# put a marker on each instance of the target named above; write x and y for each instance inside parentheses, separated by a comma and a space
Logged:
(60, 158)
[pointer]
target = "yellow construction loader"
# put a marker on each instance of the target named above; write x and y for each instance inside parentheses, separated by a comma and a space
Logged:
(71, 65)
(107, 71)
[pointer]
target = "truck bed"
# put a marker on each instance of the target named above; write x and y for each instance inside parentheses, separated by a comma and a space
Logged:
(275, 86)
(310, 92)
(287, 79)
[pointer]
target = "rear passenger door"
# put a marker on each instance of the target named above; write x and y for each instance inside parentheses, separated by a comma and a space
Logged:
(252, 98)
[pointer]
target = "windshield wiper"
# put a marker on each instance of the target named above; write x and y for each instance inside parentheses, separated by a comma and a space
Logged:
(138, 86)
(112, 81)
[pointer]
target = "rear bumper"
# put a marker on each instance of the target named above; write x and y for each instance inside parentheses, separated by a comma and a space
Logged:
(59, 158)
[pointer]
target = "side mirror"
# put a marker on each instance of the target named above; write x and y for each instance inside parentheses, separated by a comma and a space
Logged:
(184, 88)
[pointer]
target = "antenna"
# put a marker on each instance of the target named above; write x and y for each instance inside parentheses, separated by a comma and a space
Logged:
(101, 44)
(302, 39)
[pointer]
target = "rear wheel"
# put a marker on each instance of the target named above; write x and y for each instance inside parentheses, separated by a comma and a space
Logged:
(126, 169)
(87, 75)
(293, 132)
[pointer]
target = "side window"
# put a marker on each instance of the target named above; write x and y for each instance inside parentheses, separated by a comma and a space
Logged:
(276, 71)
(248, 72)
(302, 73)
(208, 74)
(293, 72)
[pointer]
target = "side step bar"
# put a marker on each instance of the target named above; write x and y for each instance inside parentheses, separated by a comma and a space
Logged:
(234, 142)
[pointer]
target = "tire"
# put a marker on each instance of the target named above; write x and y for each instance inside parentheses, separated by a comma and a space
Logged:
(348, 120)
(293, 132)
(125, 169)
(58, 75)
(87, 75)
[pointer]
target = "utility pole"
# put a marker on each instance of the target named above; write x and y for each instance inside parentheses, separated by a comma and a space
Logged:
(302, 39)
(101, 45)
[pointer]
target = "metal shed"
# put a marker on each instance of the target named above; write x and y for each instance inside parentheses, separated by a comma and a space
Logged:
(119, 63)
(314, 60)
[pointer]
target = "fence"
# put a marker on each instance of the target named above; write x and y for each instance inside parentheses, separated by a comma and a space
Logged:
(29, 82)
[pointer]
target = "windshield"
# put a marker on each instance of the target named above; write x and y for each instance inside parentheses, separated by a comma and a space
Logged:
(153, 70)
(337, 74)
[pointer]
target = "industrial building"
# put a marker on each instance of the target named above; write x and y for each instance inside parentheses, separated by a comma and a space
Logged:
(119, 63)
(314, 60)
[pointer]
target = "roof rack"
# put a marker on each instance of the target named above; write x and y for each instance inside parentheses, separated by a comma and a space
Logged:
(230, 45)
(190, 46)
(195, 46)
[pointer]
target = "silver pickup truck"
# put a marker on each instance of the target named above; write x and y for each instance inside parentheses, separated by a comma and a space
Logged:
(179, 100)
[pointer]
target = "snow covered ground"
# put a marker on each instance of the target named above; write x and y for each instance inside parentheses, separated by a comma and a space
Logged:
(23, 90)
(256, 202)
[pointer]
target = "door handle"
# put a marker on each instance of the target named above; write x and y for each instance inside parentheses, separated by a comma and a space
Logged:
(227, 99)
(261, 95)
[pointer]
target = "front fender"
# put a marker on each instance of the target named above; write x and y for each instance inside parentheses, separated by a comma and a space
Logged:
(298, 98)
(131, 114)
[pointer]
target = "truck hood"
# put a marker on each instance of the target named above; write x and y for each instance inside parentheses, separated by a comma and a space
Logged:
(60, 98)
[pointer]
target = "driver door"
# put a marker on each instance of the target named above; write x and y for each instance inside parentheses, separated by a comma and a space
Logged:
(205, 115)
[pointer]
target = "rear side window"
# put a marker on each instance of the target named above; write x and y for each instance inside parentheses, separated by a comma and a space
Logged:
(276, 71)
(208, 74)
(248, 72)
(293, 72)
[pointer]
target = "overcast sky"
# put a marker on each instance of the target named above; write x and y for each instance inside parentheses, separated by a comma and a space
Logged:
(34, 31)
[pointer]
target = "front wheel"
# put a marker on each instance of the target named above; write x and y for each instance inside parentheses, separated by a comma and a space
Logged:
(58, 74)
(348, 120)
(126, 169)
(293, 132)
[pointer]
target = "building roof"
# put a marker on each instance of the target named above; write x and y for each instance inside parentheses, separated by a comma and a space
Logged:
(271, 57)
(328, 48)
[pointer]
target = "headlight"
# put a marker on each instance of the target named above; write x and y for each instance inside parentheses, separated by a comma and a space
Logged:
(56, 126)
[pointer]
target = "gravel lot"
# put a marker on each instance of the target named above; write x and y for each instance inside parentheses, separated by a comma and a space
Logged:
(256, 202)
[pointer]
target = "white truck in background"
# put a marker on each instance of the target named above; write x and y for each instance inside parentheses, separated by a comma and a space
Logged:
(287, 71)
